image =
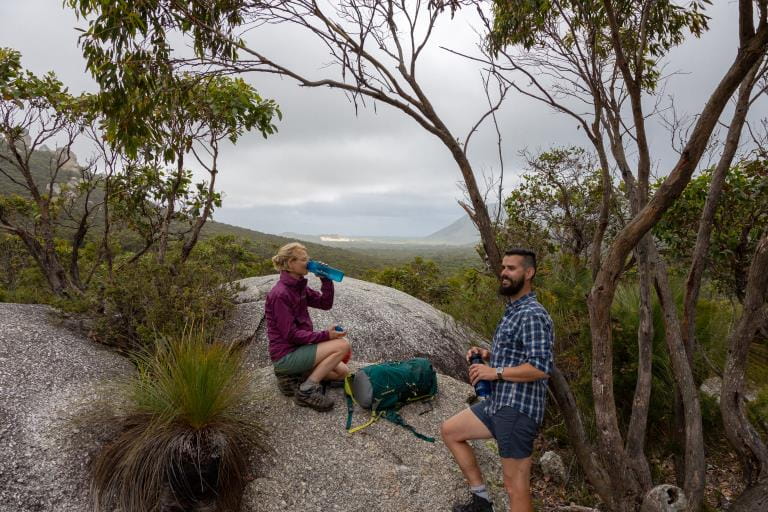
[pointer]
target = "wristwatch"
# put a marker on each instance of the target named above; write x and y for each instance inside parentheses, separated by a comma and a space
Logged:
(499, 373)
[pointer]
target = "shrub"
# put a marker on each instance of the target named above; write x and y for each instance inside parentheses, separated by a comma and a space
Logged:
(186, 431)
(148, 299)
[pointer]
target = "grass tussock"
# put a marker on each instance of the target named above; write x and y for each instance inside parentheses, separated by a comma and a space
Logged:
(186, 434)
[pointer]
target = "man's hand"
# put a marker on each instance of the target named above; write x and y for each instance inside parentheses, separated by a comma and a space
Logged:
(481, 372)
(333, 334)
(485, 354)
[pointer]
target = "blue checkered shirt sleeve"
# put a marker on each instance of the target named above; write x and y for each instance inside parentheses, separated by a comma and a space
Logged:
(536, 335)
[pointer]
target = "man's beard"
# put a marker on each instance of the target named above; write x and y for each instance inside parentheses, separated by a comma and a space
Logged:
(512, 289)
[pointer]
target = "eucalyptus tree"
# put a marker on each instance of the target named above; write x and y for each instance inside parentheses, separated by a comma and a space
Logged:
(48, 196)
(375, 50)
(607, 55)
(170, 118)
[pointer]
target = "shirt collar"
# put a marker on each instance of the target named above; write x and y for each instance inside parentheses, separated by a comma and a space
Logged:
(287, 279)
(521, 301)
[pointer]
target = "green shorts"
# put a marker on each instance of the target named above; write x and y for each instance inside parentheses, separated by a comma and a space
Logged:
(299, 361)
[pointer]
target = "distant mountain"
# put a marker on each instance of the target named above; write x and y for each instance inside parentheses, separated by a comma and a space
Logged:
(460, 232)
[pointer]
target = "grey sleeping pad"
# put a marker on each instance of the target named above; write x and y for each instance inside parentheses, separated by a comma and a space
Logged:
(362, 390)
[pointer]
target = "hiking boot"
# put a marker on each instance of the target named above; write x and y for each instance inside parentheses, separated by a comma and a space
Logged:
(475, 504)
(333, 384)
(288, 384)
(314, 398)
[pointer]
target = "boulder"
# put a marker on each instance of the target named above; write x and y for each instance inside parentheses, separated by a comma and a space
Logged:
(664, 498)
(47, 374)
(552, 466)
(711, 387)
(383, 324)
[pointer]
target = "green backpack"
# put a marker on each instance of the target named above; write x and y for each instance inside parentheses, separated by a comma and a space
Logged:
(384, 388)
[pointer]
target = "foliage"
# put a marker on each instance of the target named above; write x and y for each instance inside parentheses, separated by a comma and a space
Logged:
(420, 278)
(187, 429)
(740, 218)
(142, 301)
(555, 207)
(530, 23)
(232, 257)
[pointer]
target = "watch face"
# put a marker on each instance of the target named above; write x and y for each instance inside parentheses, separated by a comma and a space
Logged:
(499, 372)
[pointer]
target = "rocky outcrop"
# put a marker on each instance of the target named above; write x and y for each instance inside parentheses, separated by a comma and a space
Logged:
(47, 376)
(383, 324)
(315, 466)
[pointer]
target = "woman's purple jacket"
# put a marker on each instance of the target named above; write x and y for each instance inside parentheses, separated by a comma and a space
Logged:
(288, 322)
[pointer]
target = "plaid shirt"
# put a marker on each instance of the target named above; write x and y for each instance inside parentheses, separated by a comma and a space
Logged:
(524, 335)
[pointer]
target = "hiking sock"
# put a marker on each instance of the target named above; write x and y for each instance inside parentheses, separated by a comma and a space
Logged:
(481, 491)
(308, 385)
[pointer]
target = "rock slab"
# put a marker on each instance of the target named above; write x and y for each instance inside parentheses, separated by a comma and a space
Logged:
(383, 324)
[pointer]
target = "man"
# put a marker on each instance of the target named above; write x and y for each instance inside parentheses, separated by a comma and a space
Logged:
(520, 361)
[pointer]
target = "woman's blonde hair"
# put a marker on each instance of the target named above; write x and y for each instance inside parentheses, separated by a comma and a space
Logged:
(286, 254)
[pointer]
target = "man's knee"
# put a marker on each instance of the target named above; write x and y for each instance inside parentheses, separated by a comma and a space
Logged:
(449, 431)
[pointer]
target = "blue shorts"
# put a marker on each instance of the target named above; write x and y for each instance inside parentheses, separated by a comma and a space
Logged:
(514, 431)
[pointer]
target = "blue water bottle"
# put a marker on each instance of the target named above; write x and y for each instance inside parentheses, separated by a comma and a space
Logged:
(323, 270)
(483, 387)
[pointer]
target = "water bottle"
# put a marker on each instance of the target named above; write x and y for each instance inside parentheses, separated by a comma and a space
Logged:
(323, 270)
(347, 357)
(483, 387)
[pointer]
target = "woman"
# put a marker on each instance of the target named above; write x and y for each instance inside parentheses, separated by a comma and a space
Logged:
(302, 356)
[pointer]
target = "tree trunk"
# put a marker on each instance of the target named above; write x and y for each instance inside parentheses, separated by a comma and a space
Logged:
(753, 499)
(642, 397)
(628, 489)
(699, 258)
(585, 451)
(694, 474)
(741, 434)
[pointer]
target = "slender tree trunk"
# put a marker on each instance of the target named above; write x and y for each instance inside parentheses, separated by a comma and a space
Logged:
(585, 451)
(165, 226)
(200, 222)
(605, 200)
(748, 444)
(694, 474)
(699, 258)
(642, 397)
(479, 212)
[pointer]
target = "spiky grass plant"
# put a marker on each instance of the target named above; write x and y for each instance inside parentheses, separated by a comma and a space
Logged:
(187, 433)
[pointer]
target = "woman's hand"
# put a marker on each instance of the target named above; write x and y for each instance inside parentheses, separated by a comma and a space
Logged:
(485, 354)
(333, 334)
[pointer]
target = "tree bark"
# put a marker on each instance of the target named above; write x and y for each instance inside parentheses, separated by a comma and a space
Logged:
(741, 434)
(694, 474)
(699, 258)
(585, 451)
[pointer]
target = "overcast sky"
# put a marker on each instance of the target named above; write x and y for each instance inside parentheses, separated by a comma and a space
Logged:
(329, 170)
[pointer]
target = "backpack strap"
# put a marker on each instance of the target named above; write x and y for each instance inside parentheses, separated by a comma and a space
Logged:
(394, 417)
(374, 418)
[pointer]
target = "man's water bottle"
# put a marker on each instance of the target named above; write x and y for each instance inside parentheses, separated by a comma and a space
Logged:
(323, 270)
(482, 387)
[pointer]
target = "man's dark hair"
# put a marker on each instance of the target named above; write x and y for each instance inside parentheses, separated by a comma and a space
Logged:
(529, 257)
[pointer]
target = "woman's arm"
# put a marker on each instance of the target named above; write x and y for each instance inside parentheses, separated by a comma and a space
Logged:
(285, 325)
(322, 299)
